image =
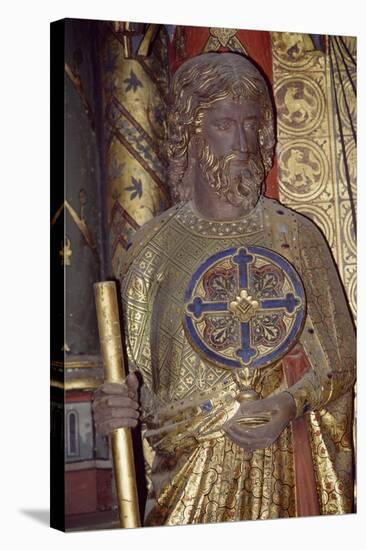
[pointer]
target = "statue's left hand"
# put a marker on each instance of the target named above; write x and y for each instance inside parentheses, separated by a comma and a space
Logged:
(278, 410)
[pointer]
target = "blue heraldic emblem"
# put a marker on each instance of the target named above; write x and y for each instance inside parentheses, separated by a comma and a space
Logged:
(244, 307)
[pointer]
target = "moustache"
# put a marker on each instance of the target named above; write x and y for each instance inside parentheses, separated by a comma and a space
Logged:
(237, 173)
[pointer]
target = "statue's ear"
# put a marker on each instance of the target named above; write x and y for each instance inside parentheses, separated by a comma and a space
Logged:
(190, 172)
(194, 148)
(187, 180)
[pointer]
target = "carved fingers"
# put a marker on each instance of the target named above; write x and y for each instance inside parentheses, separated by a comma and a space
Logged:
(116, 405)
(258, 424)
(252, 438)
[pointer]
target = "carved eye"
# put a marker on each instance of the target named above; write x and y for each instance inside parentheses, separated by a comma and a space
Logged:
(250, 124)
(223, 124)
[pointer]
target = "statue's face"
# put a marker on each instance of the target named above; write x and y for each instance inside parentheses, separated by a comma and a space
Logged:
(230, 133)
(232, 125)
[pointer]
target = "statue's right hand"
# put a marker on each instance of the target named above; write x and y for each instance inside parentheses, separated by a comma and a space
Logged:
(116, 405)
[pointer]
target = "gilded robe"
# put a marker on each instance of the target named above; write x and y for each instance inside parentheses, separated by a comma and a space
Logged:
(198, 474)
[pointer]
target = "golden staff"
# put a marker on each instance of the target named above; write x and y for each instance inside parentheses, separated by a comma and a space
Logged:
(114, 371)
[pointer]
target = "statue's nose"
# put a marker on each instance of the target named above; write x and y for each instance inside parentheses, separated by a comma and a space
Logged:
(242, 143)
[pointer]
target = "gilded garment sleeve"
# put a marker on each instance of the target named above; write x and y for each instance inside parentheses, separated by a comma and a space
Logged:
(137, 275)
(328, 337)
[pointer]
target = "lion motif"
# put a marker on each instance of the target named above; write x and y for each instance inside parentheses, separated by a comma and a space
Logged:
(298, 104)
(293, 46)
(300, 172)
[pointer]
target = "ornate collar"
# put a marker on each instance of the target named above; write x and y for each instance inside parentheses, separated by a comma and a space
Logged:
(252, 223)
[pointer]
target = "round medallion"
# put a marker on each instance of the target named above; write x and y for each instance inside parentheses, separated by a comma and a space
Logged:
(351, 157)
(244, 307)
(304, 170)
(295, 51)
(300, 105)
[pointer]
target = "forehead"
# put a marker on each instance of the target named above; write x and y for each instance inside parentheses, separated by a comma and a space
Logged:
(235, 107)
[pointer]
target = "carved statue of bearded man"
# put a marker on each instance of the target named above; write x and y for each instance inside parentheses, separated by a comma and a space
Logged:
(236, 320)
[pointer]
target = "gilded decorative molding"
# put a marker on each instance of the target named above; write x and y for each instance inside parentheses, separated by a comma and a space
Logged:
(79, 222)
(77, 364)
(77, 384)
(75, 79)
(77, 373)
(66, 252)
(226, 38)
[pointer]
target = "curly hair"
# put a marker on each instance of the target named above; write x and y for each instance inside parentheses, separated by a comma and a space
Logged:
(197, 84)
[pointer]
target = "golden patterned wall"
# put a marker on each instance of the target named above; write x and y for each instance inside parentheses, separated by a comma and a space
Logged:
(317, 138)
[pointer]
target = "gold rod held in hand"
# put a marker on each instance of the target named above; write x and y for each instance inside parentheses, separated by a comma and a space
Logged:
(114, 371)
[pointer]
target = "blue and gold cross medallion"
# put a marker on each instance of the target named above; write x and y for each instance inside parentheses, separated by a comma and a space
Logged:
(245, 307)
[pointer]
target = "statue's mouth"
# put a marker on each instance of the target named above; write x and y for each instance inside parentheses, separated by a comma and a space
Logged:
(243, 189)
(243, 184)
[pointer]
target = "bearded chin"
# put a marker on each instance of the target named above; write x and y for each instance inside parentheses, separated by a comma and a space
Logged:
(243, 184)
(238, 177)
